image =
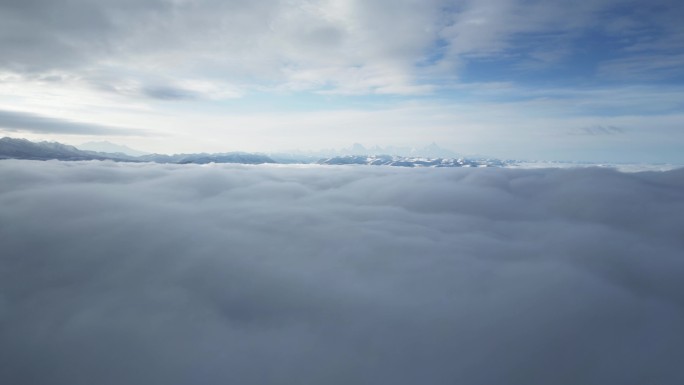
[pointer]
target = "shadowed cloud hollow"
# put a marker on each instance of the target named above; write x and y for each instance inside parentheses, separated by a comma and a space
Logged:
(183, 274)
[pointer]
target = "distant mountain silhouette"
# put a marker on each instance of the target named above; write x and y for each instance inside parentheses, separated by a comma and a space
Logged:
(11, 148)
(387, 160)
(111, 148)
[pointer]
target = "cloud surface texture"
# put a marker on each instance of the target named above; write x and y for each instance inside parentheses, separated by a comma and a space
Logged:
(230, 274)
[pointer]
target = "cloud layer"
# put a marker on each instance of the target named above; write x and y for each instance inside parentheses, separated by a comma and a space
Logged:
(382, 46)
(142, 273)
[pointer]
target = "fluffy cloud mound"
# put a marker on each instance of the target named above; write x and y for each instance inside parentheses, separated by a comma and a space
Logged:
(165, 274)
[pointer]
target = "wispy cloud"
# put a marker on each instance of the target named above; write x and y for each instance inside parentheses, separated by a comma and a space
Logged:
(598, 130)
(168, 93)
(644, 67)
(18, 121)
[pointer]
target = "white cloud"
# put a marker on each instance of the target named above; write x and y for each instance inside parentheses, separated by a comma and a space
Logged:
(143, 273)
(307, 44)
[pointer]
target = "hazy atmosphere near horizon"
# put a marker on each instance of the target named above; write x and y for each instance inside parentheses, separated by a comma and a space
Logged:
(314, 192)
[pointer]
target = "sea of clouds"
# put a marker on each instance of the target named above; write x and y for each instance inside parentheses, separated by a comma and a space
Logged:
(116, 273)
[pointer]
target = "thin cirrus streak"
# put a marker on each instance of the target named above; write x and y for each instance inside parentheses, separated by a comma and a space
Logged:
(177, 274)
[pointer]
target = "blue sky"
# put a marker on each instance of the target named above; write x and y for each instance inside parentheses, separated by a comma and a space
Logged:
(600, 80)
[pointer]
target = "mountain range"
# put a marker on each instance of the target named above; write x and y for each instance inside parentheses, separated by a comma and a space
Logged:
(388, 160)
(108, 147)
(13, 148)
(432, 151)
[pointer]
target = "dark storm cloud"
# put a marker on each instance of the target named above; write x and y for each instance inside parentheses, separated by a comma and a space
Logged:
(166, 274)
(15, 121)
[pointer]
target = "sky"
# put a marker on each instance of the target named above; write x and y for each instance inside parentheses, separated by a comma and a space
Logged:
(143, 273)
(597, 80)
